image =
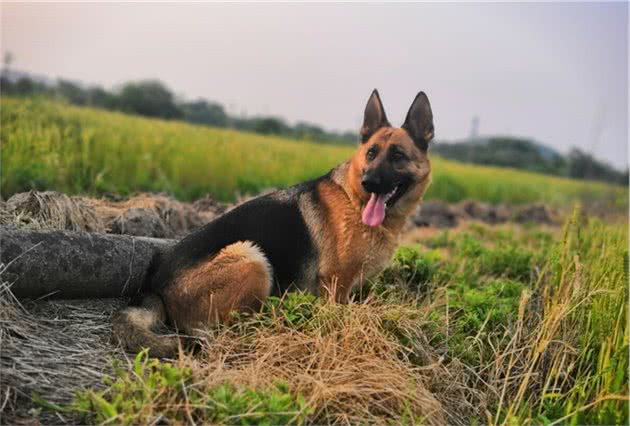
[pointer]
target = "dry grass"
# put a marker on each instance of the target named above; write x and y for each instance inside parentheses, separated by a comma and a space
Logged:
(345, 361)
(143, 214)
(50, 210)
(560, 356)
(51, 349)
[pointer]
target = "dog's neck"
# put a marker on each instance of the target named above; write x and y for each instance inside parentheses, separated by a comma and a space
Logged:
(395, 219)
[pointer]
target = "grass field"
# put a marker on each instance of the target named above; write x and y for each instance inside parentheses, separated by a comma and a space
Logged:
(500, 325)
(489, 325)
(48, 145)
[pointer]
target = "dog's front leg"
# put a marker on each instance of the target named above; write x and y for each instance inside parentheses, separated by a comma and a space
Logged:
(336, 288)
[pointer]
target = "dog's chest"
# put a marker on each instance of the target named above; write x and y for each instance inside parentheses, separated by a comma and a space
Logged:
(359, 252)
(376, 252)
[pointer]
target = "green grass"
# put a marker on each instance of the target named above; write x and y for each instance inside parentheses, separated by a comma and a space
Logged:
(493, 344)
(496, 325)
(542, 318)
(141, 393)
(49, 145)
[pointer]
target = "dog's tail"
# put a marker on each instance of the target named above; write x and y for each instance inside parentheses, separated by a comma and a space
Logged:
(135, 326)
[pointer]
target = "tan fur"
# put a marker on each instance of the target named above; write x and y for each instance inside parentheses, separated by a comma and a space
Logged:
(351, 251)
(238, 278)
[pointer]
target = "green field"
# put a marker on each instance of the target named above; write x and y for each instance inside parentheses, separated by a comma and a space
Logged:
(489, 325)
(49, 145)
(502, 325)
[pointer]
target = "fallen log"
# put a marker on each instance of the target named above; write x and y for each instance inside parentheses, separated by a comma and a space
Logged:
(70, 265)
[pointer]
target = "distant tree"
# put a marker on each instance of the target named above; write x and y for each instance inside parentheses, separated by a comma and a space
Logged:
(203, 112)
(347, 137)
(6, 87)
(267, 125)
(625, 177)
(72, 92)
(504, 151)
(584, 166)
(309, 131)
(24, 86)
(150, 98)
(101, 98)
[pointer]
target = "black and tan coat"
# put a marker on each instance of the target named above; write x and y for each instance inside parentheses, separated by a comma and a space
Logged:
(324, 236)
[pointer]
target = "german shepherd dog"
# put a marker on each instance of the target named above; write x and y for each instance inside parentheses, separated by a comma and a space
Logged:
(324, 236)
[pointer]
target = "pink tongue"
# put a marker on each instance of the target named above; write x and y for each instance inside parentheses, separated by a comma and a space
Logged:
(374, 211)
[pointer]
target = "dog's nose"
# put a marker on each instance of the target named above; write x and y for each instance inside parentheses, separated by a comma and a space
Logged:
(371, 182)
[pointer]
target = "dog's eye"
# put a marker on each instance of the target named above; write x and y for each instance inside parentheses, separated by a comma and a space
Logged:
(371, 154)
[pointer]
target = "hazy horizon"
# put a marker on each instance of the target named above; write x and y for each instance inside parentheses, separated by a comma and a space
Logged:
(555, 73)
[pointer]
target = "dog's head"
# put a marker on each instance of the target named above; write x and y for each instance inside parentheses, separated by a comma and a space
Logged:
(391, 170)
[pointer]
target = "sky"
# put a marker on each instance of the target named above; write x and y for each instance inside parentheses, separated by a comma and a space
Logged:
(553, 72)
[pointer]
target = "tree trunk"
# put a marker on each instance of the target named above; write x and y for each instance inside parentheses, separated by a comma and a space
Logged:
(65, 265)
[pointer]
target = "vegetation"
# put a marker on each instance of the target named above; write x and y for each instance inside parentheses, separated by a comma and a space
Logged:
(525, 154)
(482, 325)
(152, 389)
(151, 98)
(491, 325)
(51, 145)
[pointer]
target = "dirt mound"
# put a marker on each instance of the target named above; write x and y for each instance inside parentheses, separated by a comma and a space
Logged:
(154, 215)
(436, 214)
(146, 215)
(484, 212)
(536, 213)
(443, 215)
(160, 216)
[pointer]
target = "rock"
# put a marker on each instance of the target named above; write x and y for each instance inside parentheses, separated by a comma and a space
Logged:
(435, 213)
(535, 213)
(483, 212)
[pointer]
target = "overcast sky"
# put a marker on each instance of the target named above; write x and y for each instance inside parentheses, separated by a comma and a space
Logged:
(553, 72)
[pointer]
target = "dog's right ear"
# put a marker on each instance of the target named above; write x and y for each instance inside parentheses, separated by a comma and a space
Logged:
(419, 121)
(374, 117)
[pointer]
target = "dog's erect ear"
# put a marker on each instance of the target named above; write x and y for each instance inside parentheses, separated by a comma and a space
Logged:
(374, 117)
(419, 121)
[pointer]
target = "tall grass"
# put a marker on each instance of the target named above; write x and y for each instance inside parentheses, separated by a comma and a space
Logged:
(443, 336)
(48, 145)
(575, 333)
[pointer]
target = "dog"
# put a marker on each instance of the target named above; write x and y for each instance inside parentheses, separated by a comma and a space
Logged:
(324, 236)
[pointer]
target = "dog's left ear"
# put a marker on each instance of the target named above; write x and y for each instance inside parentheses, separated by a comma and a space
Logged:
(419, 121)
(374, 117)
